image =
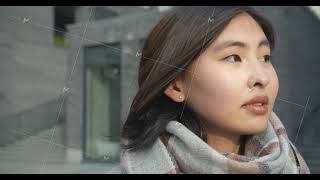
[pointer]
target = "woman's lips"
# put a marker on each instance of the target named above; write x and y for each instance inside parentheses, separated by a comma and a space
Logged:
(257, 105)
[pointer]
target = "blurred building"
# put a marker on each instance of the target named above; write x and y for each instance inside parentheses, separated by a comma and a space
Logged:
(61, 104)
(32, 70)
(106, 75)
(68, 76)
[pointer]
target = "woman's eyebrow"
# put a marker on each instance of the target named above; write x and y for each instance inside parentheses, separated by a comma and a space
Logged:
(231, 43)
(264, 42)
(228, 44)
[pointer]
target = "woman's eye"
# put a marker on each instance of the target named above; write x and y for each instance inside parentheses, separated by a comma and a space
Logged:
(233, 58)
(266, 58)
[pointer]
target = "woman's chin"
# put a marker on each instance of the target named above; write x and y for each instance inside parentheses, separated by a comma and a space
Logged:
(255, 125)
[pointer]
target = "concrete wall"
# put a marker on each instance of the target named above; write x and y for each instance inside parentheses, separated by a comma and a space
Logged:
(39, 22)
(32, 74)
(32, 78)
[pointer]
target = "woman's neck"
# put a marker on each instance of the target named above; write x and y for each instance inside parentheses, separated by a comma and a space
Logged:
(224, 142)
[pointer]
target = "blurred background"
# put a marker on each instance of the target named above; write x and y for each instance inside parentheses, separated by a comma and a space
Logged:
(68, 75)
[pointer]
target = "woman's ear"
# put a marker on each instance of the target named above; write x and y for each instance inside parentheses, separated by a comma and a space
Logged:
(175, 90)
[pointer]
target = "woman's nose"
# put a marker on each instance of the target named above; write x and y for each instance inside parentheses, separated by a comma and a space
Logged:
(258, 77)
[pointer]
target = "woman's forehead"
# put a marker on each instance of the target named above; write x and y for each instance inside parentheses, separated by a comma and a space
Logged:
(242, 28)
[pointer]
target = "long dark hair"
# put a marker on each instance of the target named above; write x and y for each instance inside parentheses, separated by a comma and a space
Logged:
(173, 44)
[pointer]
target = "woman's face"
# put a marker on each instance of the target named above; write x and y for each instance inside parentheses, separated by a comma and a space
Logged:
(234, 69)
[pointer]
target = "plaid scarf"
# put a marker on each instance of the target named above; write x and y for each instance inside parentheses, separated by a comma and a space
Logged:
(267, 152)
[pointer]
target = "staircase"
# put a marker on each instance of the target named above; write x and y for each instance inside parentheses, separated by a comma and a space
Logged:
(34, 154)
(36, 148)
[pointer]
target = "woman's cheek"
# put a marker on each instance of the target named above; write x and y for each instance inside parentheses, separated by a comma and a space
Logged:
(215, 94)
(274, 85)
